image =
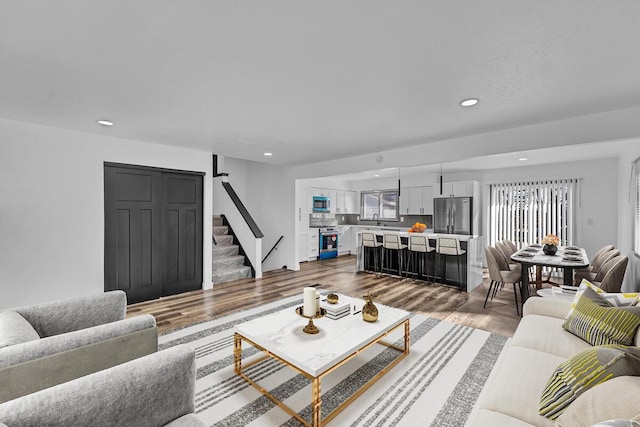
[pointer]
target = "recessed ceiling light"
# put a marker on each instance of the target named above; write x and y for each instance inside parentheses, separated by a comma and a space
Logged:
(105, 122)
(376, 175)
(522, 159)
(268, 154)
(469, 102)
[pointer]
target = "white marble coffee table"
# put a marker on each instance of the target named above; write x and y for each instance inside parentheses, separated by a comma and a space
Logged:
(279, 335)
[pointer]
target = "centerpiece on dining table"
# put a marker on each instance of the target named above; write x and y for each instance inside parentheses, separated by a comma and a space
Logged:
(550, 242)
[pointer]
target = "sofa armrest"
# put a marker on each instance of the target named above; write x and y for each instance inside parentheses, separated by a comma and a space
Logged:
(150, 391)
(59, 317)
(39, 374)
(31, 350)
(551, 307)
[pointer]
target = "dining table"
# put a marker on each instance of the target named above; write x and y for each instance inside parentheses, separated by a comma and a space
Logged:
(568, 258)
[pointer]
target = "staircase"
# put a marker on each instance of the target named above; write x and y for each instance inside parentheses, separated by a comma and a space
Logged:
(228, 265)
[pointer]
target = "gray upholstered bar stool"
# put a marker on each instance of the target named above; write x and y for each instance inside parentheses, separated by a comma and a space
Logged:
(369, 240)
(449, 246)
(419, 247)
(391, 242)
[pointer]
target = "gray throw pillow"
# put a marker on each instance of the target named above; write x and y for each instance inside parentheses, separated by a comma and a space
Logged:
(14, 329)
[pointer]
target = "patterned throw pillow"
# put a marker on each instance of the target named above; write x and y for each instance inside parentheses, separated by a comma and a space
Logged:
(615, 299)
(597, 323)
(584, 371)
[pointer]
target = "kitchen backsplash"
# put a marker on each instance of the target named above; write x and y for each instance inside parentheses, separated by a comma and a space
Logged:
(409, 220)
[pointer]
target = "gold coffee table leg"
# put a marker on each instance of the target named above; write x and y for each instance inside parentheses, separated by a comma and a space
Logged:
(316, 403)
(237, 353)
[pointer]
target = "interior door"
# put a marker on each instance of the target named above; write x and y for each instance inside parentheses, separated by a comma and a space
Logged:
(132, 223)
(182, 214)
(153, 231)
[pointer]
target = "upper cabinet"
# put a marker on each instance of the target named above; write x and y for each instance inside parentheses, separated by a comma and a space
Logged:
(351, 202)
(416, 200)
(456, 189)
(341, 201)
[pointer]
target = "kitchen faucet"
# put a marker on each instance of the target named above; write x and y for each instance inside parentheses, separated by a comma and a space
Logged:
(375, 218)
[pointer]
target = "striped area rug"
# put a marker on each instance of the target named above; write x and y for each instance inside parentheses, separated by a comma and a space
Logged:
(437, 384)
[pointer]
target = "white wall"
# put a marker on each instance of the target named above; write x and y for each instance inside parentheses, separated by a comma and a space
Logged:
(268, 192)
(52, 207)
(625, 217)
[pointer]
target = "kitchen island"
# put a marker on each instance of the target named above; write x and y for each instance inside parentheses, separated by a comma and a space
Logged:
(446, 272)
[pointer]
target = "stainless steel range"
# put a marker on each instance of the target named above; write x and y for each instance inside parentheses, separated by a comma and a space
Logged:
(328, 243)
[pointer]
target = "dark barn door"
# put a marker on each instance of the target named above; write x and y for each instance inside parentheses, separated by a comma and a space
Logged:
(153, 231)
(182, 212)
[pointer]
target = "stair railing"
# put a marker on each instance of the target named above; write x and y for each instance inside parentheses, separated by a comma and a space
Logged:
(272, 249)
(246, 231)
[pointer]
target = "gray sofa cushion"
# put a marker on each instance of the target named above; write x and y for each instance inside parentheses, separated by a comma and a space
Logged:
(14, 329)
(150, 391)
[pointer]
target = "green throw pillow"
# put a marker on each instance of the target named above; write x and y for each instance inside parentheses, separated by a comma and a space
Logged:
(597, 322)
(584, 371)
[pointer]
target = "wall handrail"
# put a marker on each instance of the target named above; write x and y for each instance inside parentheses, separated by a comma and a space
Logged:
(243, 210)
(272, 249)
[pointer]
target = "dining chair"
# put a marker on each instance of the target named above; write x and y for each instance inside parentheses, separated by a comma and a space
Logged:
(614, 275)
(370, 241)
(511, 245)
(595, 273)
(594, 265)
(499, 274)
(391, 242)
(419, 247)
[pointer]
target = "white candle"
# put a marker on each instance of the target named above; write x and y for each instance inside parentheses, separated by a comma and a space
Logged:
(309, 307)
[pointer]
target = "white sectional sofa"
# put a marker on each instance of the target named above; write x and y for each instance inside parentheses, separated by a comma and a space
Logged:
(511, 396)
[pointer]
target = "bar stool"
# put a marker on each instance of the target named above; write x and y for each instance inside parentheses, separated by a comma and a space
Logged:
(391, 242)
(419, 245)
(449, 246)
(369, 240)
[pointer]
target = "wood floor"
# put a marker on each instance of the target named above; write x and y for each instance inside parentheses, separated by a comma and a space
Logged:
(339, 275)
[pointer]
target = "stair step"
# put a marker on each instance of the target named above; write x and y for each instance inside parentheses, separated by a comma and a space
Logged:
(224, 240)
(230, 274)
(217, 221)
(220, 230)
(224, 262)
(224, 250)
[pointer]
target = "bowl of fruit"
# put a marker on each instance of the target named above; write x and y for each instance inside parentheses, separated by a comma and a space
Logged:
(417, 228)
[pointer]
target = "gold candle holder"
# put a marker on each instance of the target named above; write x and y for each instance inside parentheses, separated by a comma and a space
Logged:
(311, 328)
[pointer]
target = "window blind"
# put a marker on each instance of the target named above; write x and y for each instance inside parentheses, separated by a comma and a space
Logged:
(525, 212)
(636, 219)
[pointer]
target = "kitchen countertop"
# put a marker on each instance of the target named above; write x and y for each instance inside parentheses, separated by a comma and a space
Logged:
(429, 232)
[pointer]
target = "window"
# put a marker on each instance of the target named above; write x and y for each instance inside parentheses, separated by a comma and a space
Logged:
(526, 212)
(636, 216)
(382, 205)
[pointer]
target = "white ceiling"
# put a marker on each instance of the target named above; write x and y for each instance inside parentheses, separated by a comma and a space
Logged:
(313, 80)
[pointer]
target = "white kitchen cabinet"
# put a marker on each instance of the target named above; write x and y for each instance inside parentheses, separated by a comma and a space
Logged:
(338, 205)
(455, 189)
(351, 202)
(345, 240)
(404, 200)
(416, 200)
(314, 244)
(427, 200)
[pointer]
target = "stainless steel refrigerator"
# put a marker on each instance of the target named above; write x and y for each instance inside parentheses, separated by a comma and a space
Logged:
(452, 215)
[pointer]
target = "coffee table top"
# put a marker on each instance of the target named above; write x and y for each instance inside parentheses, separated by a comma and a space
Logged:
(281, 334)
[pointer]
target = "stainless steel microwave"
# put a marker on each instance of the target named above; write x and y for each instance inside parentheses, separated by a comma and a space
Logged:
(321, 204)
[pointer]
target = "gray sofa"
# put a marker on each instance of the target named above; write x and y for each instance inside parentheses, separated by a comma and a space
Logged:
(511, 396)
(47, 344)
(154, 390)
